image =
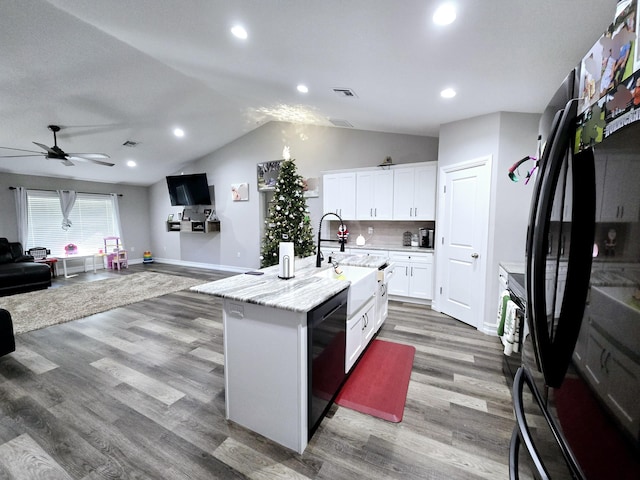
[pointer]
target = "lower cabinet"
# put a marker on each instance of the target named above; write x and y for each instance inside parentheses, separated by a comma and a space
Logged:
(360, 331)
(413, 275)
(614, 376)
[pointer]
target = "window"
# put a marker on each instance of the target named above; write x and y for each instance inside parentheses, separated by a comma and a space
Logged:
(93, 217)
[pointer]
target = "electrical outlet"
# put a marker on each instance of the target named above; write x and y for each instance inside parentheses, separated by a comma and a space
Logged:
(133, 249)
(370, 230)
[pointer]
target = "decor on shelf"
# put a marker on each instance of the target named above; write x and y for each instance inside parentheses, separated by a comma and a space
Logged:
(240, 192)
(311, 187)
(288, 218)
(170, 218)
(70, 249)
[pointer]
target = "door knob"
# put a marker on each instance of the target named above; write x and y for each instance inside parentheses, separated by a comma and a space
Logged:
(474, 255)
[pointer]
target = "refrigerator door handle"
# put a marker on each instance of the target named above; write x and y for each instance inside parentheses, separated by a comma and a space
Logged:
(524, 434)
(553, 351)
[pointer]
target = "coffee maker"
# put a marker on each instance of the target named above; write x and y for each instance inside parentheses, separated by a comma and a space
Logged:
(425, 237)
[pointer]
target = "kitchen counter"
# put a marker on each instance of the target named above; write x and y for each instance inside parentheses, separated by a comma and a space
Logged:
(300, 294)
(393, 247)
(274, 331)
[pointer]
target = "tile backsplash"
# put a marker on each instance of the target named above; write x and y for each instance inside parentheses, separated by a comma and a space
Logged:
(385, 233)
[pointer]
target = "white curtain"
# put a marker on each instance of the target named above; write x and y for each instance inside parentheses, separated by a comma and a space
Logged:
(67, 200)
(116, 213)
(22, 215)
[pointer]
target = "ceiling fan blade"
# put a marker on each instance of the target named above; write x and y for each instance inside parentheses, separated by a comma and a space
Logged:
(94, 156)
(47, 149)
(91, 160)
(16, 156)
(67, 163)
(22, 150)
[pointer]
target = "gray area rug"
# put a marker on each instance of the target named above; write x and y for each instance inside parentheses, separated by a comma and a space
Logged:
(42, 308)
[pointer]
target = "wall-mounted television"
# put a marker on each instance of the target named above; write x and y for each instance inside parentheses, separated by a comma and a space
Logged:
(187, 190)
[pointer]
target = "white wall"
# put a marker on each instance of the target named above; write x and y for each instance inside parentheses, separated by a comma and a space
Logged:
(134, 206)
(506, 137)
(314, 148)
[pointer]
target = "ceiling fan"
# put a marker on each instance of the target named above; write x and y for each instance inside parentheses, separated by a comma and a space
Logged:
(56, 153)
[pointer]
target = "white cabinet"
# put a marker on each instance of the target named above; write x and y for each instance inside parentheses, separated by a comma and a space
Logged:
(339, 194)
(414, 192)
(360, 330)
(615, 378)
(413, 275)
(618, 194)
(374, 195)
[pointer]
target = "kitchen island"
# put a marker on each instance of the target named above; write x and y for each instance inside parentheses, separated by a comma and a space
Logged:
(284, 346)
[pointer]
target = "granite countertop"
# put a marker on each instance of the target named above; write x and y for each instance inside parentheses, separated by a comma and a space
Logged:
(301, 293)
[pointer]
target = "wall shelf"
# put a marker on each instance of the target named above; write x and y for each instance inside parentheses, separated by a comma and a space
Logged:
(192, 226)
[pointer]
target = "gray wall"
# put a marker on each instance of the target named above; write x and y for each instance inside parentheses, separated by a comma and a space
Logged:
(315, 149)
(134, 206)
(507, 137)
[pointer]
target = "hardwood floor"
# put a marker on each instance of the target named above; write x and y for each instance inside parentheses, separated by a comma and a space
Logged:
(138, 393)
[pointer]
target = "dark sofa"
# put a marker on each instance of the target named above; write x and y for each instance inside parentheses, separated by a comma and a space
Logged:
(18, 272)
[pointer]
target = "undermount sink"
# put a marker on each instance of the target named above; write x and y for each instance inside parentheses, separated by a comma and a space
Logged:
(621, 295)
(363, 284)
(615, 311)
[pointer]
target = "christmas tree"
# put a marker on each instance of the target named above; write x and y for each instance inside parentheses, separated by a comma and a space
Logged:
(288, 219)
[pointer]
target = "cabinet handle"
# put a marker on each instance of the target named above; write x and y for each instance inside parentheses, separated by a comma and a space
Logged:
(371, 212)
(406, 271)
(601, 361)
(415, 212)
(622, 211)
(375, 212)
(411, 212)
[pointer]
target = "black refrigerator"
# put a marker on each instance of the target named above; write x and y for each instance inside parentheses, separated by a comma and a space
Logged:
(577, 393)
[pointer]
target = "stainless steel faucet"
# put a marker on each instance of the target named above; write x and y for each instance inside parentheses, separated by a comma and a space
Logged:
(341, 240)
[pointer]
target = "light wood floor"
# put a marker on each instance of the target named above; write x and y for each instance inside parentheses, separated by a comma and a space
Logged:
(138, 392)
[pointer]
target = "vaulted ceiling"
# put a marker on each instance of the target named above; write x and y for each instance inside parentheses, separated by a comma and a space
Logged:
(113, 71)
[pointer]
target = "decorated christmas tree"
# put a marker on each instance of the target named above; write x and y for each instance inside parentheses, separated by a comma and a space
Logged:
(288, 219)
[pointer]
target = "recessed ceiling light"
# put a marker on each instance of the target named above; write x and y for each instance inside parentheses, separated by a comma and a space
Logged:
(131, 163)
(445, 14)
(448, 93)
(303, 88)
(178, 132)
(239, 32)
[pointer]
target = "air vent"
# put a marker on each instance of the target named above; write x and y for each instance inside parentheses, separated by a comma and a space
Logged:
(340, 123)
(345, 92)
(130, 143)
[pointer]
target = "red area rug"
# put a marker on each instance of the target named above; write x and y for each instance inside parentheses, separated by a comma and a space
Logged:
(379, 383)
(599, 448)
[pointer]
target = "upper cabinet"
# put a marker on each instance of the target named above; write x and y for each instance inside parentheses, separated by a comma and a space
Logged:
(414, 192)
(619, 192)
(374, 195)
(397, 193)
(339, 194)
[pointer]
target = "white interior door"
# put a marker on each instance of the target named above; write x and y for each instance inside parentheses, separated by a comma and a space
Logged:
(463, 224)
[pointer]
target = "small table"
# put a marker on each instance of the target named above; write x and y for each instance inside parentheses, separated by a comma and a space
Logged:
(77, 256)
(51, 262)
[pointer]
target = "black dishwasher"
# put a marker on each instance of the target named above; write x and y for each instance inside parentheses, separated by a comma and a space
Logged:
(326, 337)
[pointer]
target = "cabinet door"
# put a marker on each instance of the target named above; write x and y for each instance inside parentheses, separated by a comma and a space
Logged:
(624, 388)
(365, 195)
(369, 326)
(354, 340)
(383, 195)
(403, 185)
(620, 195)
(594, 361)
(339, 194)
(425, 193)
(421, 280)
(399, 283)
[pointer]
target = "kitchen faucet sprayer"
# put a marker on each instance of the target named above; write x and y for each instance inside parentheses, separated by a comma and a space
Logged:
(342, 240)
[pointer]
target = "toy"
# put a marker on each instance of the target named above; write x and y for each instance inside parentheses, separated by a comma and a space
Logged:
(146, 257)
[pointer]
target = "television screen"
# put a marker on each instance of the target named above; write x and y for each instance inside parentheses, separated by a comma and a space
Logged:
(186, 190)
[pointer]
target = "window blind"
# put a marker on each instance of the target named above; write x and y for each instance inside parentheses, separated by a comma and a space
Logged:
(92, 219)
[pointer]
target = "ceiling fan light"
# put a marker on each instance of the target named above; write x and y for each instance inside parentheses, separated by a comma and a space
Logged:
(178, 132)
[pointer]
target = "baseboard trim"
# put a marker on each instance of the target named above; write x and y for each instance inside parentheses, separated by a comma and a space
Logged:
(208, 266)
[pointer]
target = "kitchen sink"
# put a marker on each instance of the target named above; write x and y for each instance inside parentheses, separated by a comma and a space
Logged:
(616, 311)
(363, 283)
